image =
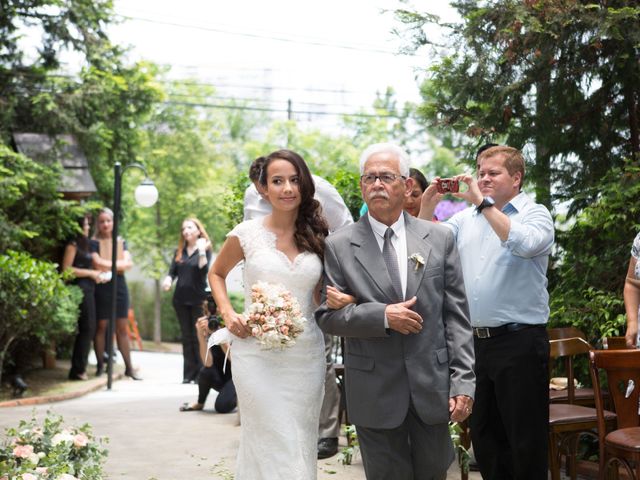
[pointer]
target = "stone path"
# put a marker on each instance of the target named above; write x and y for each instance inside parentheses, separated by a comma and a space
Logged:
(149, 439)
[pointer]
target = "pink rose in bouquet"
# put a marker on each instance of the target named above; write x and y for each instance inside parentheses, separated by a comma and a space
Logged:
(274, 316)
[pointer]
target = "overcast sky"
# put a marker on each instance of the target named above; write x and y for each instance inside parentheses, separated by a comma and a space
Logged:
(324, 56)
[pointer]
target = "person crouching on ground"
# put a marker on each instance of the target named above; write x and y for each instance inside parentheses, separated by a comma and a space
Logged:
(214, 375)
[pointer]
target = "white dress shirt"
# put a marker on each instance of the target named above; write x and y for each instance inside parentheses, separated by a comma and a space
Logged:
(333, 207)
(506, 282)
(399, 242)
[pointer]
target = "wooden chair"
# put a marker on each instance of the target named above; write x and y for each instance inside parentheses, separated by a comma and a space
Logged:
(580, 396)
(619, 447)
(614, 343)
(569, 421)
(565, 332)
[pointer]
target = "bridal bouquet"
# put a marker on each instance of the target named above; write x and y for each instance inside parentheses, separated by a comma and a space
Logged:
(274, 316)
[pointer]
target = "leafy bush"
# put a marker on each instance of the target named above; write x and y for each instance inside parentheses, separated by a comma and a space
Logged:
(34, 301)
(33, 216)
(594, 251)
(586, 284)
(51, 451)
(233, 200)
(348, 185)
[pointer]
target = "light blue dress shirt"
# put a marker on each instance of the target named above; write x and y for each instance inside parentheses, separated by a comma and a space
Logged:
(506, 282)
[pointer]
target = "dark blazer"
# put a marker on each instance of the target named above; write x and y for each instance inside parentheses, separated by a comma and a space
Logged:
(385, 370)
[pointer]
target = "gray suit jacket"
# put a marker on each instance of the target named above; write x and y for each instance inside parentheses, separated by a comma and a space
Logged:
(385, 370)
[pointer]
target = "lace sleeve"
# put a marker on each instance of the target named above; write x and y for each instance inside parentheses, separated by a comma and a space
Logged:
(247, 233)
(635, 248)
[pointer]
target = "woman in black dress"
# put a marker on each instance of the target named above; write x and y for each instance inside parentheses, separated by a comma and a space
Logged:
(189, 267)
(102, 251)
(78, 259)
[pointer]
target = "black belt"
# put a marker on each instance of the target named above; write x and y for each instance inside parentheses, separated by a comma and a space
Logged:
(489, 332)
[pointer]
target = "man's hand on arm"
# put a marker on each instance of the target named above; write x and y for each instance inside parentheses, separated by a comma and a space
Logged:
(460, 407)
(402, 319)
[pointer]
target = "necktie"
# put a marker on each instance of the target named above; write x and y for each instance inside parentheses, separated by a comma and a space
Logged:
(390, 258)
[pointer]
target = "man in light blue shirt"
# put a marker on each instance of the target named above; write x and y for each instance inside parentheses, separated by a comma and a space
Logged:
(505, 241)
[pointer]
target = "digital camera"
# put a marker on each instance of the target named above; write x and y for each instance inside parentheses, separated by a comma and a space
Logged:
(210, 307)
(448, 185)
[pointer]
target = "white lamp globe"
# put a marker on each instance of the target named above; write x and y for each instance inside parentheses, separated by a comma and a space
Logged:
(146, 193)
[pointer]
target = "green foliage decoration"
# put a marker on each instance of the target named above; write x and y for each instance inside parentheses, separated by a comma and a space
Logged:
(34, 301)
(51, 450)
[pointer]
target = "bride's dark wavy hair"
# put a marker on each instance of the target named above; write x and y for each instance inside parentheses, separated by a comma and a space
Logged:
(311, 227)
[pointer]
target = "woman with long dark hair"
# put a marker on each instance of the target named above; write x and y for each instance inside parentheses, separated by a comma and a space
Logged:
(78, 259)
(280, 390)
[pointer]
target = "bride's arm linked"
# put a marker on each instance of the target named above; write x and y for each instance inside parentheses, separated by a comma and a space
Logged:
(336, 299)
(229, 256)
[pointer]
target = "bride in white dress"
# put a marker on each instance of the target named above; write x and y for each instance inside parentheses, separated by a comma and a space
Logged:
(280, 391)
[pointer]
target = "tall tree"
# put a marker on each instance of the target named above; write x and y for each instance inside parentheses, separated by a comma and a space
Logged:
(558, 77)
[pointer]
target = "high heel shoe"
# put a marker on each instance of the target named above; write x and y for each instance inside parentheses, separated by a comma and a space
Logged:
(99, 369)
(131, 374)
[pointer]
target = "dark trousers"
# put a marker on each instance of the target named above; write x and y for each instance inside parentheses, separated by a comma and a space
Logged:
(412, 451)
(86, 332)
(187, 316)
(210, 378)
(510, 420)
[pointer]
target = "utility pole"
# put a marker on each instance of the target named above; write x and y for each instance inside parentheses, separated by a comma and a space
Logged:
(289, 117)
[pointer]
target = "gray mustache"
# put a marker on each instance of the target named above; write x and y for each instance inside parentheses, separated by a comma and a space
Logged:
(380, 194)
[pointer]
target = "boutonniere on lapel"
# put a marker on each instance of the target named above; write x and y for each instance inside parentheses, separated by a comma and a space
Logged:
(418, 260)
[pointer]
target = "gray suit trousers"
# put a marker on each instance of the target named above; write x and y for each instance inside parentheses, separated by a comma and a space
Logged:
(412, 451)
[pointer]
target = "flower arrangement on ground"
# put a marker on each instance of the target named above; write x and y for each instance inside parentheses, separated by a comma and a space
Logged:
(274, 316)
(51, 451)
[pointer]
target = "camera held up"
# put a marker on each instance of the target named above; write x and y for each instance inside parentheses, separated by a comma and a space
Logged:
(448, 185)
(210, 307)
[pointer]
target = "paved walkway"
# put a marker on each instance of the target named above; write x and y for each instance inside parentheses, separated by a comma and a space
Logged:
(149, 439)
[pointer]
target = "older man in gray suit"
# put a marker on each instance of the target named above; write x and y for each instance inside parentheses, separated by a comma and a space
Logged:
(409, 349)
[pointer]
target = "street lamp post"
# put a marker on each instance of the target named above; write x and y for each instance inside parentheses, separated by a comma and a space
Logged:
(146, 195)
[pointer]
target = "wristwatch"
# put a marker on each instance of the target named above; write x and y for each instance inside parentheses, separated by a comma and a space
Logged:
(486, 202)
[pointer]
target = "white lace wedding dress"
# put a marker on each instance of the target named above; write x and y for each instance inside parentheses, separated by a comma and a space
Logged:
(279, 391)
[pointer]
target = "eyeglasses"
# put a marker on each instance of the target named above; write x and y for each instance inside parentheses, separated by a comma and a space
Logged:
(387, 178)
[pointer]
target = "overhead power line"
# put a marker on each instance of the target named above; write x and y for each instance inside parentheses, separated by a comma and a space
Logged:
(275, 110)
(258, 87)
(262, 37)
(198, 97)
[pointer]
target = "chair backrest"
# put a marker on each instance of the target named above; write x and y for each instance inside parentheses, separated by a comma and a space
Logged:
(565, 332)
(567, 348)
(622, 369)
(614, 343)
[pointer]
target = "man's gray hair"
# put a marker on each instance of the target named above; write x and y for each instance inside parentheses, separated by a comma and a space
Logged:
(392, 148)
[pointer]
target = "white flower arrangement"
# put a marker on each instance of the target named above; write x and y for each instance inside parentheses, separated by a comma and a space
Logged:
(51, 451)
(274, 316)
(418, 260)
